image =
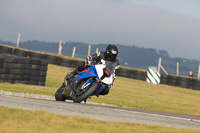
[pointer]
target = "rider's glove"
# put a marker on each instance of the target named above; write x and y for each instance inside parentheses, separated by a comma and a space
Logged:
(114, 76)
(117, 67)
(89, 59)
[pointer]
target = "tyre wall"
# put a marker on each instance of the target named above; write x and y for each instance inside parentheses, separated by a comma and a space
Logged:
(181, 81)
(195, 84)
(129, 73)
(173, 80)
(15, 69)
(163, 79)
(6, 49)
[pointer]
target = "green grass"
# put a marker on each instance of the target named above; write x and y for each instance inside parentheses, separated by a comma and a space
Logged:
(126, 92)
(38, 121)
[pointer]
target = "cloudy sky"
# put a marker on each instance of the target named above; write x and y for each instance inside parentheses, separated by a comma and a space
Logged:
(172, 25)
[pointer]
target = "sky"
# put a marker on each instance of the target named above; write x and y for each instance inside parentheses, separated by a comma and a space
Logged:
(171, 25)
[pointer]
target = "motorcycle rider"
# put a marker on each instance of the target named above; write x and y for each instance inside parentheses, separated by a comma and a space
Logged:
(109, 55)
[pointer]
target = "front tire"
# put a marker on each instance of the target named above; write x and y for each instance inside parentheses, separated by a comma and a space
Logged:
(59, 94)
(86, 94)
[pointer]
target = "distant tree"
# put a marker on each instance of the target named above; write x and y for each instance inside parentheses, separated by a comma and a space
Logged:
(163, 54)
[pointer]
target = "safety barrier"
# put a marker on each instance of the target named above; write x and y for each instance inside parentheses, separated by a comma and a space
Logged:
(6, 49)
(173, 80)
(153, 76)
(163, 79)
(181, 81)
(15, 69)
(131, 73)
(184, 82)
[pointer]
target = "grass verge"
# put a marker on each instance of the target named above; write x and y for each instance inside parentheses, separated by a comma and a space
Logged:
(38, 121)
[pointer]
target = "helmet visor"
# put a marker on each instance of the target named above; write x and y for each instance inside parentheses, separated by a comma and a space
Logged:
(111, 56)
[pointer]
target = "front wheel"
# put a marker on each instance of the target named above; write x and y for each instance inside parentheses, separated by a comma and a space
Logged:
(59, 94)
(86, 94)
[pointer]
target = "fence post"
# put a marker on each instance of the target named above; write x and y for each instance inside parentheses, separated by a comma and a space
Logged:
(159, 64)
(177, 69)
(198, 71)
(60, 48)
(18, 39)
(89, 48)
(73, 53)
(163, 69)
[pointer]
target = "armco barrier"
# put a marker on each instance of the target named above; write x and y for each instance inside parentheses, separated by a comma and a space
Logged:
(173, 80)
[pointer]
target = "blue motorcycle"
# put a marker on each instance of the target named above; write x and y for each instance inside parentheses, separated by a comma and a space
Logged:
(89, 82)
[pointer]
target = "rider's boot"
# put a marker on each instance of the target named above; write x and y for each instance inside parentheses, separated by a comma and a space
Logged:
(76, 71)
(72, 73)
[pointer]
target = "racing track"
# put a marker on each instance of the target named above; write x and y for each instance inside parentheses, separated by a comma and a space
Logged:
(104, 112)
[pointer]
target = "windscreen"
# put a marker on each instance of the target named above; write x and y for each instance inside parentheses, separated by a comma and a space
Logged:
(110, 66)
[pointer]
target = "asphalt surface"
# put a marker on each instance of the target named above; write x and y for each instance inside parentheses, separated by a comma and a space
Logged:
(104, 112)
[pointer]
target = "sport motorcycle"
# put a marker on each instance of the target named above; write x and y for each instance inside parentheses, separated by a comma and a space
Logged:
(89, 82)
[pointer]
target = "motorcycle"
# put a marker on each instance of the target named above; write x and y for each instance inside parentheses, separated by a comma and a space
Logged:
(87, 83)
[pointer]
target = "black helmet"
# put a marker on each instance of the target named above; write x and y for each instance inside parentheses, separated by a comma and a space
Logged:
(111, 52)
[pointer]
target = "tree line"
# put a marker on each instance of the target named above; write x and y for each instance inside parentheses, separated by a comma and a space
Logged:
(130, 56)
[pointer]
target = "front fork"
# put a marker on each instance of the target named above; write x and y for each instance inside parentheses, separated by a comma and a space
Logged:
(70, 86)
(67, 88)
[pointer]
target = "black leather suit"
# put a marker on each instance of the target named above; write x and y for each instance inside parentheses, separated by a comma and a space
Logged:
(96, 58)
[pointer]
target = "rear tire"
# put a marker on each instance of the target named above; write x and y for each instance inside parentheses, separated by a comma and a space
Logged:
(58, 95)
(86, 94)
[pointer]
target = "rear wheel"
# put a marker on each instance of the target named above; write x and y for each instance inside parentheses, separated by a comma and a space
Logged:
(84, 95)
(59, 94)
